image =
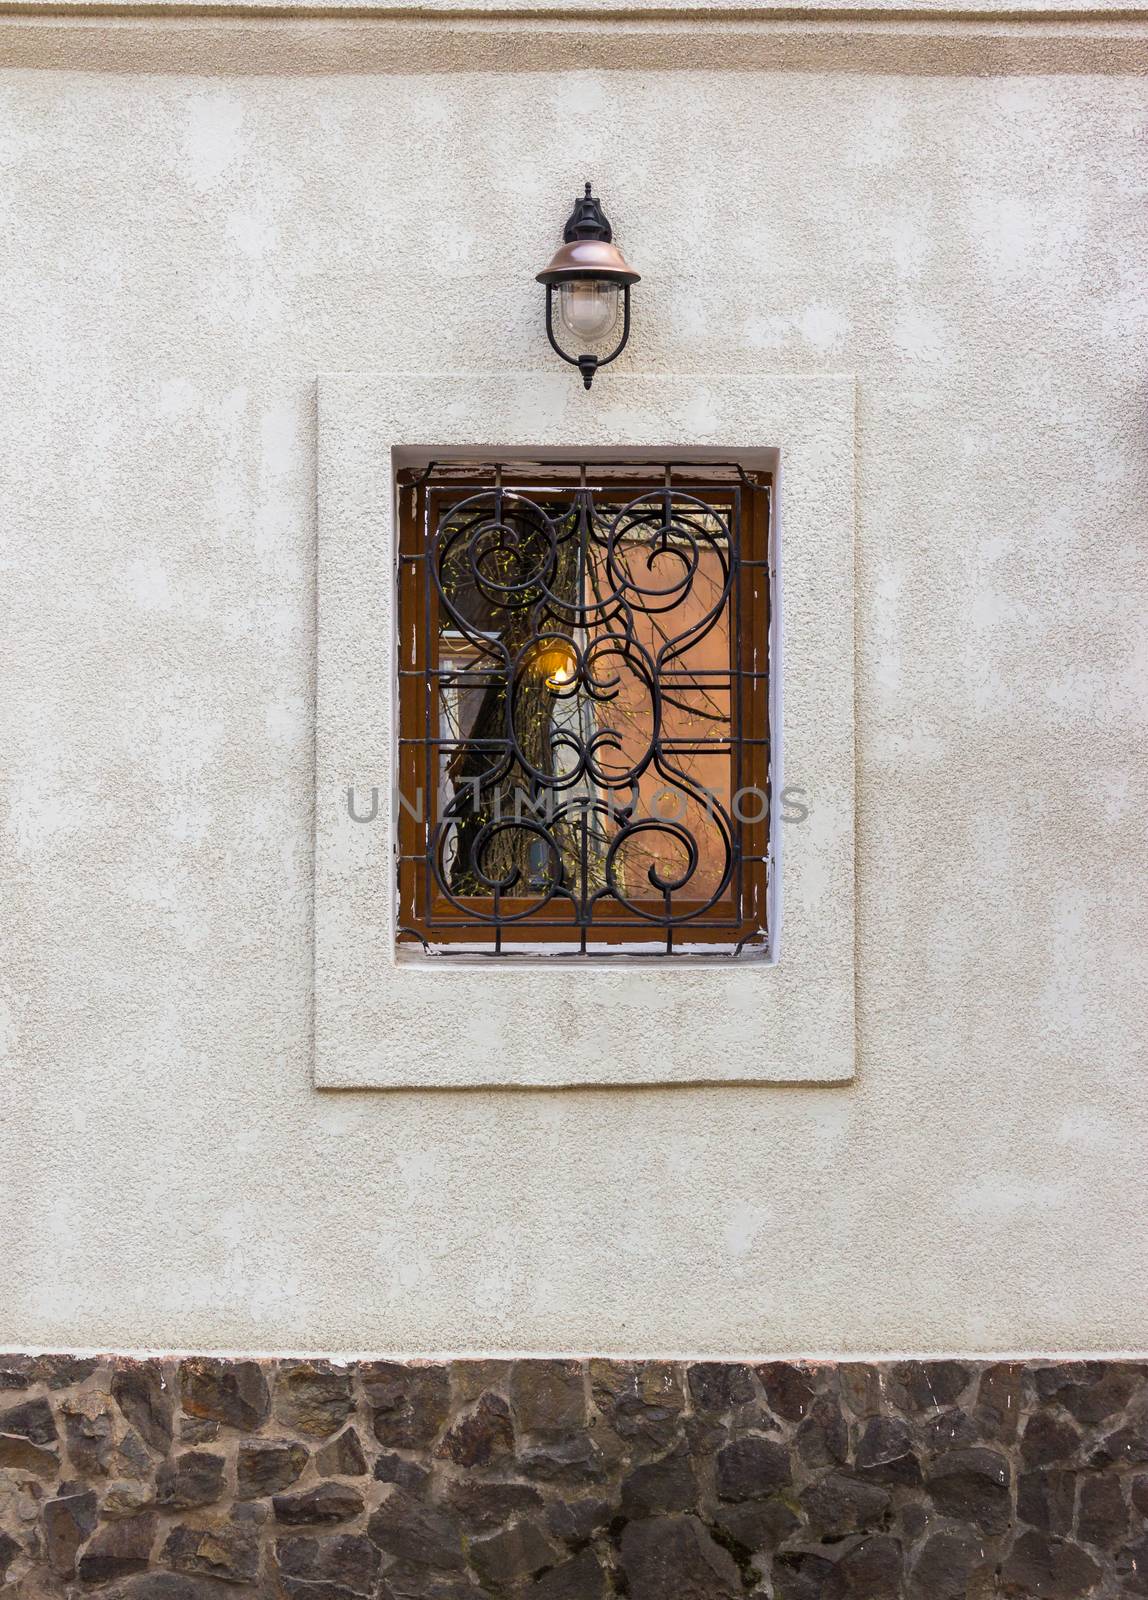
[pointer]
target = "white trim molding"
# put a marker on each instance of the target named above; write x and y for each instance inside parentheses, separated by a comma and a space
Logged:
(385, 1023)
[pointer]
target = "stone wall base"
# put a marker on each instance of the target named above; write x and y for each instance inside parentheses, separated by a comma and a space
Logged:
(206, 1479)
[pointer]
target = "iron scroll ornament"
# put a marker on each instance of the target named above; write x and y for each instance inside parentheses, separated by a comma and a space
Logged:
(574, 764)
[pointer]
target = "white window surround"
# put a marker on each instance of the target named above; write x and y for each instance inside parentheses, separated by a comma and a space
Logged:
(381, 1022)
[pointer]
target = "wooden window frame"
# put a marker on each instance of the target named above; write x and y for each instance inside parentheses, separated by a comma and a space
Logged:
(734, 925)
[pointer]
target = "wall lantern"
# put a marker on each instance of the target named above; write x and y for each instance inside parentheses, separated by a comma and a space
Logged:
(587, 271)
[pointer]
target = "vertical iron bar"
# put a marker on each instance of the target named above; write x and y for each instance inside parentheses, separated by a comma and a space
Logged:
(584, 908)
(430, 807)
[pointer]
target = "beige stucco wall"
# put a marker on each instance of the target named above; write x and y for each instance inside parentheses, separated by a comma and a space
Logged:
(958, 218)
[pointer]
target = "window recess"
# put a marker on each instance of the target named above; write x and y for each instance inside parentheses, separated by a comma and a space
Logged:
(583, 687)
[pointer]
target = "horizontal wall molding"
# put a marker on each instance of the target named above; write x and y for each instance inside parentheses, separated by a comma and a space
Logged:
(839, 12)
(274, 42)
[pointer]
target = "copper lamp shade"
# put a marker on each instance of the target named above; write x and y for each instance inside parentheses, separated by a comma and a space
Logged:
(589, 258)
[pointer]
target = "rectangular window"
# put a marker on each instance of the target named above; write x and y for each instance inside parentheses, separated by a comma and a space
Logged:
(584, 765)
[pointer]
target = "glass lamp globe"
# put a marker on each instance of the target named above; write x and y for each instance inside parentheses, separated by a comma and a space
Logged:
(588, 308)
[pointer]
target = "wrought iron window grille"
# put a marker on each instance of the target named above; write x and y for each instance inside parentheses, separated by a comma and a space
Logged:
(583, 731)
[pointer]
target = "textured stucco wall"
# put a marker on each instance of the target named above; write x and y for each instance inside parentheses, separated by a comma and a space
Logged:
(183, 250)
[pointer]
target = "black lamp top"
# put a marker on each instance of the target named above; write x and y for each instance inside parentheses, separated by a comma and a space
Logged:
(587, 221)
